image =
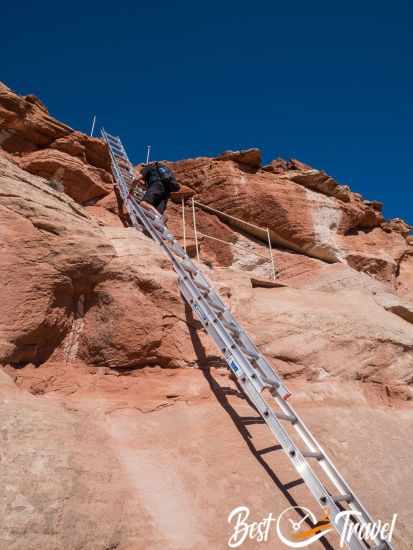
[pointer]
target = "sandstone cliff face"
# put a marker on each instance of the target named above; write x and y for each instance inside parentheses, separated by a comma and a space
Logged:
(121, 428)
(304, 209)
(45, 147)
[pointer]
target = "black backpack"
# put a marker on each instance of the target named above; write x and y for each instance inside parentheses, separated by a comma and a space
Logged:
(167, 177)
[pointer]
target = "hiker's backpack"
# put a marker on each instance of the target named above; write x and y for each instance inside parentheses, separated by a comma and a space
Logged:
(167, 177)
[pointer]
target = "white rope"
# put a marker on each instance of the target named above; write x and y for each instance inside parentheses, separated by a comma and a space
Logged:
(229, 216)
(183, 223)
(196, 236)
(220, 213)
(236, 245)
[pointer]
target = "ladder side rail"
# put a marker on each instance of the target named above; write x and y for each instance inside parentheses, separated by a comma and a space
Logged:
(118, 176)
(113, 158)
(305, 434)
(132, 205)
(262, 363)
(221, 337)
(237, 364)
(195, 300)
(299, 462)
(326, 463)
(232, 347)
(301, 465)
(137, 212)
(134, 210)
(201, 308)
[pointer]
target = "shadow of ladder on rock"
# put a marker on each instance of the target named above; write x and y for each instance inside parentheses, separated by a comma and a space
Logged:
(253, 372)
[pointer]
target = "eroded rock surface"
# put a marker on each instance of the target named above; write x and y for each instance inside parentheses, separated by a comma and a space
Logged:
(305, 210)
(121, 428)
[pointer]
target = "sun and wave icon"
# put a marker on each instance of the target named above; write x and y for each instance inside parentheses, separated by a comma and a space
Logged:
(298, 534)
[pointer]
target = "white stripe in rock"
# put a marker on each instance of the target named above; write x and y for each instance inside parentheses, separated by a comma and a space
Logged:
(326, 217)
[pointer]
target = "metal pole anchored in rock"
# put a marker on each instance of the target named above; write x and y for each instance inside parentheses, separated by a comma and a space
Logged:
(93, 125)
(148, 153)
(183, 222)
(196, 236)
(271, 256)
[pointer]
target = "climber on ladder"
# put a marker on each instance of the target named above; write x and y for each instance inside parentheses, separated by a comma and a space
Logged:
(258, 379)
(160, 182)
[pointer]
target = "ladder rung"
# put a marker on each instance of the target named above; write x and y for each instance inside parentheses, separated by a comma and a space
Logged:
(151, 214)
(231, 326)
(343, 498)
(251, 354)
(216, 306)
(202, 286)
(115, 147)
(113, 143)
(272, 385)
(311, 454)
(177, 250)
(189, 266)
(167, 237)
(158, 226)
(112, 138)
(287, 417)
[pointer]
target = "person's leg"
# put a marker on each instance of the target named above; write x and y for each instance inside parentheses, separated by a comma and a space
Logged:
(147, 206)
(162, 207)
(153, 196)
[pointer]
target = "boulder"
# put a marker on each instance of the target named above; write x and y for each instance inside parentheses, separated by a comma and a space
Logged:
(397, 225)
(245, 157)
(91, 150)
(81, 181)
(305, 211)
(280, 166)
(42, 145)
(25, 124)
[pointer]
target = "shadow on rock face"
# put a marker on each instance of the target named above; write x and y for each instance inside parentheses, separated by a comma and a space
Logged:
(223, 395)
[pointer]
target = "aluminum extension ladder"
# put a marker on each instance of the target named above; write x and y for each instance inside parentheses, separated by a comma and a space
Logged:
(253, 372)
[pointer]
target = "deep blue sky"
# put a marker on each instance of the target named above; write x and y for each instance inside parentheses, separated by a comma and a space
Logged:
(329, 83)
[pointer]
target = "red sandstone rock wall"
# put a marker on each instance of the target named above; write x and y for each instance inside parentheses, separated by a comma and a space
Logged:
(119, 426)
(45, 147)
